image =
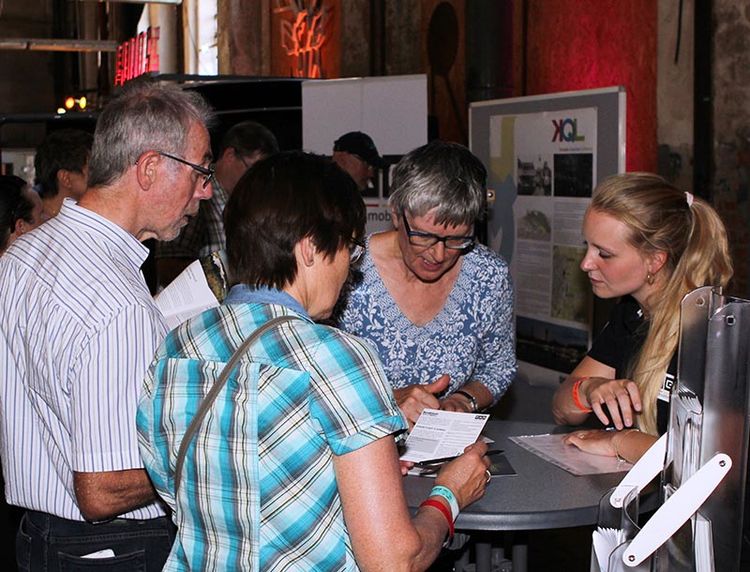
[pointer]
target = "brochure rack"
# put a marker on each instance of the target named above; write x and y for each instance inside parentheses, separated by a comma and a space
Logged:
(703, 457)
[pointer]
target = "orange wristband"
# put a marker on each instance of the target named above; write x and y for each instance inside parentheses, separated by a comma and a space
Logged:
(443, 509)
(577, 398)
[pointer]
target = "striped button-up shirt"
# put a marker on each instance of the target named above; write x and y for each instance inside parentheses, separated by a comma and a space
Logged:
(78, 329)
(258, 489)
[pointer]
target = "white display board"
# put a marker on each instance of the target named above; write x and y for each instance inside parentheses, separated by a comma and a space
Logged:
(392, 110)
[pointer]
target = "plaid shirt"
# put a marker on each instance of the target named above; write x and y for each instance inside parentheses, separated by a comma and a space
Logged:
(259, 490)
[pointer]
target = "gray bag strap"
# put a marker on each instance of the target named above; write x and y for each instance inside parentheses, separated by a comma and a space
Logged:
(213, 393)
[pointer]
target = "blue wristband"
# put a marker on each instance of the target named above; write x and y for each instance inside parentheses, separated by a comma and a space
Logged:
(447, 494)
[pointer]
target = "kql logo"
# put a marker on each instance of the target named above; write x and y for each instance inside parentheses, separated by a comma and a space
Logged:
(566, 130)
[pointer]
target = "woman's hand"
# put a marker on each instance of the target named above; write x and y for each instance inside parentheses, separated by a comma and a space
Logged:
(460, 402)
(405, 467)
(466, 475)
(629, 444)
(617, 400)
(412, 400)
(595, 441)
(456, 403)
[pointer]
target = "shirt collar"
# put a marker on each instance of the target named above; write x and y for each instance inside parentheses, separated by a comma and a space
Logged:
(634, 318)
(243, 294)
(115, 237)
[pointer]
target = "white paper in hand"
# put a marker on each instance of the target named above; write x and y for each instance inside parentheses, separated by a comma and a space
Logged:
(439, 434)
(187, 296)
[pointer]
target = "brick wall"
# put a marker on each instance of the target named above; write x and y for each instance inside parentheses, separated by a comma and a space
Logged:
(731, 94)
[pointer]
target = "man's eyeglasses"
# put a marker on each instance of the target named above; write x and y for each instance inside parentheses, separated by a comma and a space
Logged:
(427, 240)
(207, 172)
(356, 250)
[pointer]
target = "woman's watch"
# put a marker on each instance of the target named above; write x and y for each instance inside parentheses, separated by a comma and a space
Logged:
(471, 398)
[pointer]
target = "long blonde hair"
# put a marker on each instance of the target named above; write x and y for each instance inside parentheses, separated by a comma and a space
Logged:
(660, 217)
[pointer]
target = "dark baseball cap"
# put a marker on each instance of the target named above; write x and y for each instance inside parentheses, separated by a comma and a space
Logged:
(361, 145)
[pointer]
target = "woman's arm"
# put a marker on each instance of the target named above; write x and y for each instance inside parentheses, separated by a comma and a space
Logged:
(618, 399)
(460, 402)
(384, 535)
(564, 409)
(494, 365)
(629, 444)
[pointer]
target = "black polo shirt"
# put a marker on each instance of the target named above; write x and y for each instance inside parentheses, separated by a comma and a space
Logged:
(619, 342)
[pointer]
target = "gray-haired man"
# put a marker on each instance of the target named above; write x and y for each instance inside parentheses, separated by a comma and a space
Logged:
(80, 329)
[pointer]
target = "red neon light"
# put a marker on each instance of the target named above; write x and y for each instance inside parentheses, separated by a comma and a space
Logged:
(137, 56)
(304, 36)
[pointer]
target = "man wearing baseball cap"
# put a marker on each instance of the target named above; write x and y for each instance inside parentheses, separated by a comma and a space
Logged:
(355, 153)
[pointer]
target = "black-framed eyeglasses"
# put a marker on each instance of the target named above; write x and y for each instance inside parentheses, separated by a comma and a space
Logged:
(426, 239)
(356, 250)
(208, 172)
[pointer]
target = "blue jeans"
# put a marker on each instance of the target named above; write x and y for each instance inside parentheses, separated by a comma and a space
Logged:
(48, 543)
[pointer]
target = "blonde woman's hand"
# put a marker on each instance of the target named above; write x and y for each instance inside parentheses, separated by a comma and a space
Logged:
(594, 441)
(466, 475)
(615, 400)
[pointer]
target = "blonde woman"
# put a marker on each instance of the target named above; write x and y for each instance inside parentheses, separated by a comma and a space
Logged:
(649, 244)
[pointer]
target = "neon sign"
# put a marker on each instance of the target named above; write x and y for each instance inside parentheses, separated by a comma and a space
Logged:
(137, 56)
(304, 35)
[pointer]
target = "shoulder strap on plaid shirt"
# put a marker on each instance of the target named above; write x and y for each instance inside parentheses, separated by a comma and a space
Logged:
(216, 388)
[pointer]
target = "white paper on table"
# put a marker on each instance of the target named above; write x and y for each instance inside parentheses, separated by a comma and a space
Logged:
(604, 541)
(440, 434)
(186, 296)
(552, 449)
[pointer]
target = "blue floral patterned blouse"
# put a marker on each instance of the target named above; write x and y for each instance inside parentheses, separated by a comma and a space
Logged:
(472, 338)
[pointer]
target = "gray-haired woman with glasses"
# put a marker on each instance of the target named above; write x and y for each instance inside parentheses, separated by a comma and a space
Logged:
(437, 305)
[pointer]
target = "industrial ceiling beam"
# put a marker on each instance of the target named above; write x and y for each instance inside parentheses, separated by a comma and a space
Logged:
(138, 1)
(50, 45)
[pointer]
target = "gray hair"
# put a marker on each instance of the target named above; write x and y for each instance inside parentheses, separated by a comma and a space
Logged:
(146, 116)
(441, 176)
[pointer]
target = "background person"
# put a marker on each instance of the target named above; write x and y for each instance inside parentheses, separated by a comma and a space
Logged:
(437, 305)
(312, 471)
(242, 146)
(650, 244)
(355, 152)
(20, 212)
(79, 330)
(61, 166)
(20, 209)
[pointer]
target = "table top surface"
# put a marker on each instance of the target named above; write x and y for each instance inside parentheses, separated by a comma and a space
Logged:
(539, 496)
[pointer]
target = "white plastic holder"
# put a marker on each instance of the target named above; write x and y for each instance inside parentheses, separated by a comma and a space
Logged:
(642, 473)
(678, 508)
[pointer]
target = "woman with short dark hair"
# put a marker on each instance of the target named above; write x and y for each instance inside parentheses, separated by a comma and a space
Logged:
(20, 209)
(294, 466)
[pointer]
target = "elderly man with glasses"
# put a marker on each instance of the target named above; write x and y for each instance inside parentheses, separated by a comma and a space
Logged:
(241, 147)
(79, 331)
(437, 305)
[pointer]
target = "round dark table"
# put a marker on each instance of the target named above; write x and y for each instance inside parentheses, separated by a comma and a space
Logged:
(539, 496)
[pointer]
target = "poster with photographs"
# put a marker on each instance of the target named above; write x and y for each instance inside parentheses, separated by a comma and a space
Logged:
(547, 162)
